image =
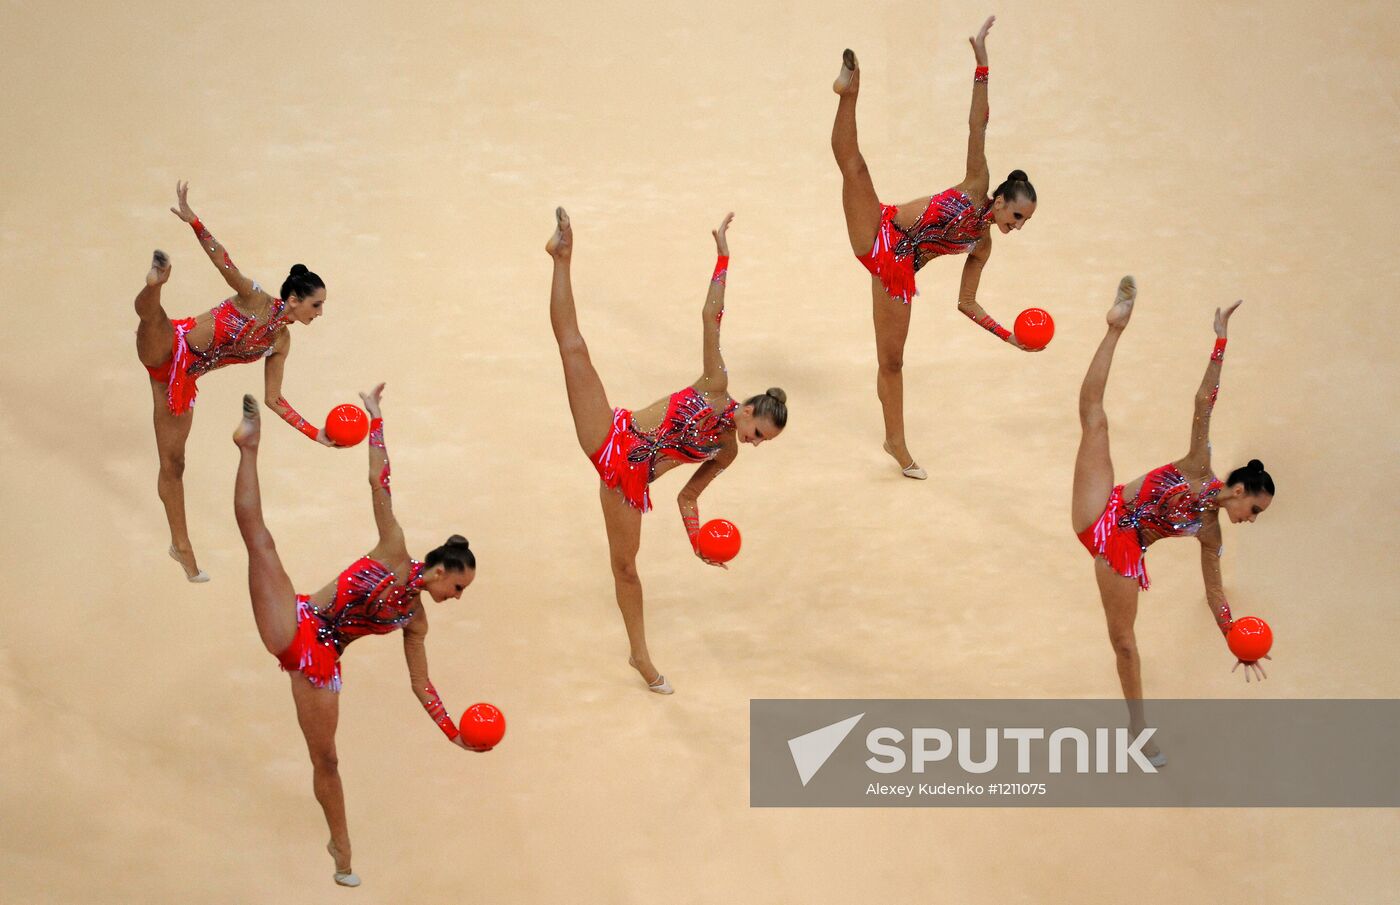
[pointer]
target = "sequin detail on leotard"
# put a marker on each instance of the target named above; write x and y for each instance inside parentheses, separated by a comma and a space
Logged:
(690, 431)
(950, 225)
(367, 602)
(238, 339)
(1163, 507)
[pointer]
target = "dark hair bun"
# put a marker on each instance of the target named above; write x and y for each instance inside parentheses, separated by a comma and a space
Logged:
(1018, 176)
(778, 394)
(1254, 465)
(457, 540)
(299, 269)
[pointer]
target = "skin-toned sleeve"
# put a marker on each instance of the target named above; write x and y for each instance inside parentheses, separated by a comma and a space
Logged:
(415, 653)
(273, 370)
(689, 497)
(1212, 549)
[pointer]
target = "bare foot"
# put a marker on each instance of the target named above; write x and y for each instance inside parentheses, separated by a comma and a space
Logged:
(561, 245)
(250, 428)
(848, 82)
(160, 268)
(1123, 304)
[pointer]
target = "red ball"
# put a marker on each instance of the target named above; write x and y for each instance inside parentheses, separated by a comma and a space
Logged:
(347, 425)
(719, 540)
(1034, 328)
(482, 727)
(1250, 638)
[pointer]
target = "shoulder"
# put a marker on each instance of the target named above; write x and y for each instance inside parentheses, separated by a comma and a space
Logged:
(392, 553)
(253, 296)
(1195, 467)
(976, 183)
(713, 390)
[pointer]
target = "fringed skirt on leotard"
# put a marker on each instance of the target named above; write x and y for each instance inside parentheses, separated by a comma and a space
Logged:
(309, 653)
(617, 469)
(180, 388)
(895, 272)
(1120, 547)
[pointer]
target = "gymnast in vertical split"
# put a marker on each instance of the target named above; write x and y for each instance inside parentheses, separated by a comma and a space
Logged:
(893, 242)
(1117, 522)
(375, 595)
(248, 326)
(700, 424)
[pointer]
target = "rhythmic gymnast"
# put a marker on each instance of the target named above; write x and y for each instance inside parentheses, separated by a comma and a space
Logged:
(248, 326)
(375, 595)
(1117, 523)
(699, 424)
(895, 241)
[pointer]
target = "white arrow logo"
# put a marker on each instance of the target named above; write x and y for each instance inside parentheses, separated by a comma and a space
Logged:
(812, 750)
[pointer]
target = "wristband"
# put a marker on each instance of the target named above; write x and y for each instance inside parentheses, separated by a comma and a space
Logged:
(439, 713)
(991, 326)
(1218, 353)
(1223, 617)
(290, 416)
(980, 74)
(721, 270)
(692, 529)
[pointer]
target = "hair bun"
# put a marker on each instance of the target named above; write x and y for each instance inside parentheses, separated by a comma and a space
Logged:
(457, 540)
(1255, 465)
(1018, 176)
(778, 394)
(299, 269)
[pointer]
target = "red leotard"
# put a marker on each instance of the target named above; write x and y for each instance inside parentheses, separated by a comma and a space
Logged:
(689, 432)
(366, 602)
(950, 225)
(1164, 507)
(238, 339)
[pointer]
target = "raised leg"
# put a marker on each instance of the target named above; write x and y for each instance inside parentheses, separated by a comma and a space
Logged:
(154, 335)
(1093, 467)
(858, 198)
(318, 713)
(588, 402)
(624, 527)
(270, 590)
(891, 330)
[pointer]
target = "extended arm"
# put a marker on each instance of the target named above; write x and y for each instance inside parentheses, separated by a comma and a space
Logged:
(715, 379)
(416, 653)
(977, 118)
(1212, 548)
(272, 390)
(967, 293)
(240, 284)
(1197, 460)
(689, 497)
